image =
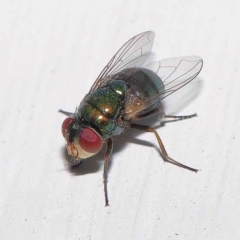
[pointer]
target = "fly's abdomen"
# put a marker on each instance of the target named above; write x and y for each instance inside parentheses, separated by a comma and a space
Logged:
(102, 108)
(146, 83)
(145, 88)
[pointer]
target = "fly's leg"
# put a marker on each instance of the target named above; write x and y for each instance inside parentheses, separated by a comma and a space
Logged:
(149, 114)
(160, 143)
(160, 110)
(69, 114)
(180, 117)
(107, 155)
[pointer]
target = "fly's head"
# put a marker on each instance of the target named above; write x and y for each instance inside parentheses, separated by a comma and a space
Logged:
(82, 141)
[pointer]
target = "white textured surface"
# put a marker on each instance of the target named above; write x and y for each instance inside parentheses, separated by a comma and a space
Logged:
(50, 54)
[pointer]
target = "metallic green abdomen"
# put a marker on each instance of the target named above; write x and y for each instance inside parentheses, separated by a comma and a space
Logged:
(102, 107)
(145, 86)
(147, 82)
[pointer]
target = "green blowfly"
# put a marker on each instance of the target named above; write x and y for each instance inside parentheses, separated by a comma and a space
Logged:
(126, 91)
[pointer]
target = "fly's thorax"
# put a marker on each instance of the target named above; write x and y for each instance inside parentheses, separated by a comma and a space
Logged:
(102, 108)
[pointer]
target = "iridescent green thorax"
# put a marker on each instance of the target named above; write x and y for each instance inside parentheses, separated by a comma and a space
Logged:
(102, 108)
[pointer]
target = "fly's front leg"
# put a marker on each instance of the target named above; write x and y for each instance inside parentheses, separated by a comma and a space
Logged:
(160, 143)
(107, 155)
(69, 114)
(180, 117)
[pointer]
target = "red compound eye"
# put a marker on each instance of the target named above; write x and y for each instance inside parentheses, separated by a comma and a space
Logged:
(90, 141)
(65, 124)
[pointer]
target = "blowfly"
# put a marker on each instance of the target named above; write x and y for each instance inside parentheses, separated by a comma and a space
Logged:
(126, 91)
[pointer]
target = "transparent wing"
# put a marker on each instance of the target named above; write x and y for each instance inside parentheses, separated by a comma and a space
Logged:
(133, 53)
(174, 73)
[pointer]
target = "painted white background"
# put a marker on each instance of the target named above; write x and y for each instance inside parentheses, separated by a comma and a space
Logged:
(50, 54)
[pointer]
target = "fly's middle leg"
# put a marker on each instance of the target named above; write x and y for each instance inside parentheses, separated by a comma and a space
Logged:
(162, 148)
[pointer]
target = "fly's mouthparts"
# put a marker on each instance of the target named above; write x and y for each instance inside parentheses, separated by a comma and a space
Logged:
(72, 150)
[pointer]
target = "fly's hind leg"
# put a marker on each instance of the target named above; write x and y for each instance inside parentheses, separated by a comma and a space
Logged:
(107, 155)
(180, 117)
(160, 143)
(160, 111)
